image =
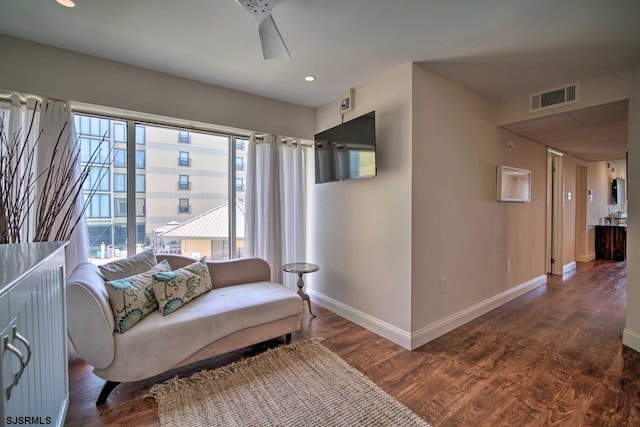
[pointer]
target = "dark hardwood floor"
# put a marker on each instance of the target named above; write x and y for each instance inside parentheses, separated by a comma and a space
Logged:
(551, 357)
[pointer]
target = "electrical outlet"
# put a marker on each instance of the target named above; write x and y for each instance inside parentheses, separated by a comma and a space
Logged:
(508, 265)
(443, 286)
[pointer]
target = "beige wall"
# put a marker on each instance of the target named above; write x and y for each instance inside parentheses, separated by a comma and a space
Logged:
(631, 335)
(360, 231)
(459, 231)
(46, 71)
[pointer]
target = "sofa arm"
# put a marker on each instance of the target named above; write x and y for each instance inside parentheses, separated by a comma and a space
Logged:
(229, 272)
(90, 323)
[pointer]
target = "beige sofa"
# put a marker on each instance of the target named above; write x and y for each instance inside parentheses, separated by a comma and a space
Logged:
(243, 309)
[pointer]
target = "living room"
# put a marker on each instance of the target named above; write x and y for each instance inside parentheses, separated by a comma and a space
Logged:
(383, 245)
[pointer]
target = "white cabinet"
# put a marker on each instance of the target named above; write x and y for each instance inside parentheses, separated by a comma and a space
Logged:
(33, 346)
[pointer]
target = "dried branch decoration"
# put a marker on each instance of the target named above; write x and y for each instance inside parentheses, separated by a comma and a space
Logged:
(59, 205)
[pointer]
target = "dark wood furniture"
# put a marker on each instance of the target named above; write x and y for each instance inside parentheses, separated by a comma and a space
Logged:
(611, 242)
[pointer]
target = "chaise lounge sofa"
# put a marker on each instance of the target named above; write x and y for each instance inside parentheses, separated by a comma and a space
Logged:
(243, 308)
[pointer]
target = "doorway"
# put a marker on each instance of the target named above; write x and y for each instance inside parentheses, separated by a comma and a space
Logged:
(554, 212)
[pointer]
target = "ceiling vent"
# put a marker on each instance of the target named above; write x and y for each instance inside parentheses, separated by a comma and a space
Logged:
(553, 98)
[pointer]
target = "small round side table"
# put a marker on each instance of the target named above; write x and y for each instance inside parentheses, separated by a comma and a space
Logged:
(302, 268)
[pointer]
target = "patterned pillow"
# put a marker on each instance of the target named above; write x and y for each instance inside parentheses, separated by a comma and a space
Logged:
(132, 298)
(173, 289)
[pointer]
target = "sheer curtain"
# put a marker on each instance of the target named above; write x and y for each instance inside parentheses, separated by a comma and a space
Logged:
(275, 205)
(49, 120)
(56, 121)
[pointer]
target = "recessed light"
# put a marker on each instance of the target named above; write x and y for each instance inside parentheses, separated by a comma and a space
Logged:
(310, 78)
(66, 3)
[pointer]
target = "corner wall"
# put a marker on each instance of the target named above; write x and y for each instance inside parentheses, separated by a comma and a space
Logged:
(459, 231)
(360, 231)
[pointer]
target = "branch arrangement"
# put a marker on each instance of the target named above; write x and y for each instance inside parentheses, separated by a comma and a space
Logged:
(59, 204)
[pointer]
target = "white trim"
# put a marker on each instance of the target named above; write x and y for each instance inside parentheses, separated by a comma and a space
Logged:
(411, 341)
(569, 267)
(441, 327)
(631, 339)
(384, 329)
(586, 258)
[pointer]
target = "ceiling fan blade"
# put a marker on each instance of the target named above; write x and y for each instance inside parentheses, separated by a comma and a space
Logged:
(273, 46)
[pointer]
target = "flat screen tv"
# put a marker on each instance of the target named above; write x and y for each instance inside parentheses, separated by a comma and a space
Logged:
(347, 151)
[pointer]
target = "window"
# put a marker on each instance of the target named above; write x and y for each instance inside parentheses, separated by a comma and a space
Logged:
(119, 207)
(141, 135)
(99, 206)
(119, 158)
(120, 182)
(94, 126)
(140, 159)
(239, 163)
(239, 184)
(140, 183)
(97, 180)
(111, 215)
(141, 207)
(94, 150)
(184, 206)
(119, 132)
(183, 182)
(183, 159)
(184, 137)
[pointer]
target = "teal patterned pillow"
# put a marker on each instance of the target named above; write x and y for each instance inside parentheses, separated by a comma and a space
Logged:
(173, 289)
(132, 298)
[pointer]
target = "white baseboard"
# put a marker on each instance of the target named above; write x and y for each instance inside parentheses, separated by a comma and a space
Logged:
(384, 329)
(435, 330)
(631, 339)
(569, 267)
(586, 258)
(414, 340)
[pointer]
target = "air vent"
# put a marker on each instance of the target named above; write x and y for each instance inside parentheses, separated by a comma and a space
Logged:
(553, 98)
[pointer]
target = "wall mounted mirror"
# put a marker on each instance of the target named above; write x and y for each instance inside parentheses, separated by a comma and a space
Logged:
(513, 184)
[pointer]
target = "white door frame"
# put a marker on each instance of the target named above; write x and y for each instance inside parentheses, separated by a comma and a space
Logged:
(555, 190)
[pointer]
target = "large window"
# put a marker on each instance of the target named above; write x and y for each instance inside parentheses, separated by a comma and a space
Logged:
(159, 189)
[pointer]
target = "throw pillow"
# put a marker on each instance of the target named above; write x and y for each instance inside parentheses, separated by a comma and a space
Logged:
(131, 266)
(131, 298)
(173, 289)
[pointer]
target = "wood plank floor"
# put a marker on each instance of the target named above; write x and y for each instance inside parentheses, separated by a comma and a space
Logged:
(552, 357)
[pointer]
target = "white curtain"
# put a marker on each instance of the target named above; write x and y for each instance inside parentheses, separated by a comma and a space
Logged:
(56, 122)
(17, 118)
(275, 205)
(49, 120)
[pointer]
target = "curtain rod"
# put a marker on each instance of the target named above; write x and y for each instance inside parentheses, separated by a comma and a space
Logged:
(258, 137)
(285, 141)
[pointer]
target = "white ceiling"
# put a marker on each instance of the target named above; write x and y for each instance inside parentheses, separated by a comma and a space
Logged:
(591, 134)
(496, 48)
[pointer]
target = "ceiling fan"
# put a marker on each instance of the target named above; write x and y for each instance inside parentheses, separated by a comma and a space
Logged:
(273, 46)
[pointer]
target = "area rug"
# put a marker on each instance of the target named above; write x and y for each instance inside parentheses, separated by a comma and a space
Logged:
(302, 384)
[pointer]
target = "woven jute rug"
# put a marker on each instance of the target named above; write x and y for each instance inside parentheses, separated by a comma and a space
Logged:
(302, 384)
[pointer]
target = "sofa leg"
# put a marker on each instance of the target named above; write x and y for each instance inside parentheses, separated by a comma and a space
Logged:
(287, 338)
(106, 391)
